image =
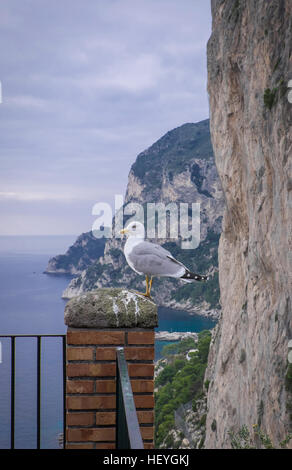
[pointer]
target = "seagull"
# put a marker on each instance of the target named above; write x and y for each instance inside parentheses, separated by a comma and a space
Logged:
(153, 260)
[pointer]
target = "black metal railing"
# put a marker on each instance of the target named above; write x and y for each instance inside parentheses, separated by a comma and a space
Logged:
(12, 381)
(128, 435)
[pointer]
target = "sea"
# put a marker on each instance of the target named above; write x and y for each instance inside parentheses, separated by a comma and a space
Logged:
(31, 303)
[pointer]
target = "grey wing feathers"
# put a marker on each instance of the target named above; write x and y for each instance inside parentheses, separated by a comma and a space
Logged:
(176, 261)
(147, 248)
(153, 259)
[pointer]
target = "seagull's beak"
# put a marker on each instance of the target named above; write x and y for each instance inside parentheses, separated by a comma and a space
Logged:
(125, 230)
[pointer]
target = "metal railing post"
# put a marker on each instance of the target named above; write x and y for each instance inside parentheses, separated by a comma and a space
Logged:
(128, 435)
(64, 392)
(38, 392)
(12, 404)
(12, 384)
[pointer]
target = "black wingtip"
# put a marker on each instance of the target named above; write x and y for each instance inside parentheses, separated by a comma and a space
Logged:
(193, 276)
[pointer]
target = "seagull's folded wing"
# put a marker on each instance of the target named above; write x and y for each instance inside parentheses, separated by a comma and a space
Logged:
(155, 260)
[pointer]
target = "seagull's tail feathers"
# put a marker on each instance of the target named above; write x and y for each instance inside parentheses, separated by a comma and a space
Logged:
(190, 277)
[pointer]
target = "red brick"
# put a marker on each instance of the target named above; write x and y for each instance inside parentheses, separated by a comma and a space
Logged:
(141, 370)
(80, 386)
(105, 445)
(91, 403)
(91, 434)
(147, 432)
(95, 337)
(106, 354)
(105, 417)
(142, 386)
(105, 386)
(148, 445)
(80, 419)
(141, 337)
(79, 354)
(144, 401)
(140, 354)
(145, 417)
(88, 445)
(91, 370)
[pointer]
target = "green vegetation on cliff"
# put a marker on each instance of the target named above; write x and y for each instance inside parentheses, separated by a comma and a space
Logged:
(255, 439)
(180, 381)
(173, 152)
(80, 255)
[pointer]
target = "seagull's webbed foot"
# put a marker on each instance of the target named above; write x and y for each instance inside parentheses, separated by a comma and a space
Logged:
(147, 293)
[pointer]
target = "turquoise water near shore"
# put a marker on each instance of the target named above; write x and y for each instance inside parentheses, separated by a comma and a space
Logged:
(31, 303)
(179, 320)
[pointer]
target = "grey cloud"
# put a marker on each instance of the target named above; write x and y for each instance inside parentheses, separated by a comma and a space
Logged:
(87, 85)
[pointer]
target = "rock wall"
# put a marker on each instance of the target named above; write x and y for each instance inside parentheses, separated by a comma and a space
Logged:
(249, 66)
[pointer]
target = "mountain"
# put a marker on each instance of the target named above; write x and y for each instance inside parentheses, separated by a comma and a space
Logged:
(78, 257)
(178, 168)
(249, 68)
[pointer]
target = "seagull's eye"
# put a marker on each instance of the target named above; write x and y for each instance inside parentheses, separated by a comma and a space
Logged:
(134, 227)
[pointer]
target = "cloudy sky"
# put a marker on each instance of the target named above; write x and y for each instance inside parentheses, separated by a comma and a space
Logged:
(86, 86)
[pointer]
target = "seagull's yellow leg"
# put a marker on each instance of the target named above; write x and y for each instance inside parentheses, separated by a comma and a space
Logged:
(147, 293)
(150, 285)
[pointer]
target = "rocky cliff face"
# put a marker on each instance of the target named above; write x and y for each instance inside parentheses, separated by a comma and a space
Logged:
(249, 66)
(78, 257)
(179, 167)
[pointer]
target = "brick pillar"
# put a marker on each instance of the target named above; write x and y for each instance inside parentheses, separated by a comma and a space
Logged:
(127, 320)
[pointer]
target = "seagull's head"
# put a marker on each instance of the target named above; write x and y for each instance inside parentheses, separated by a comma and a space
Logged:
(134, 229)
